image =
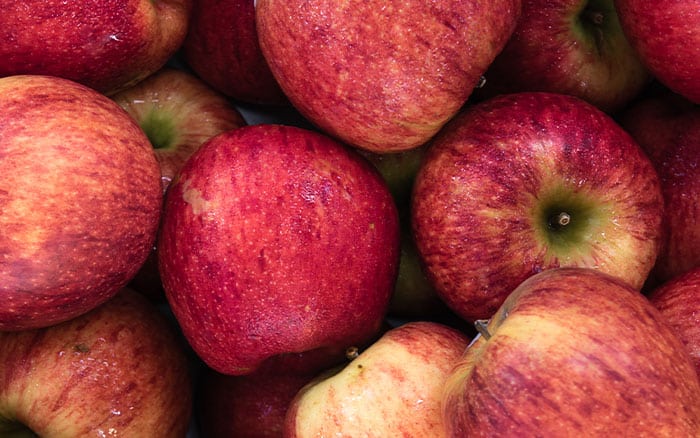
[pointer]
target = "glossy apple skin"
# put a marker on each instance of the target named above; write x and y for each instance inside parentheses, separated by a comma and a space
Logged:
(667, 40)
(222, 48)
(194, 111)
(118, 370)
(481, 198)
(667, 127)
(393, 388)
(107, 45)
(80, 196)
(277, 239)
(678, 300)
(551, 51)
(575, 352)
(392, 72)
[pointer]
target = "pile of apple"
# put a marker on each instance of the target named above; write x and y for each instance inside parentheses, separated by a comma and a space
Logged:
(312, 219)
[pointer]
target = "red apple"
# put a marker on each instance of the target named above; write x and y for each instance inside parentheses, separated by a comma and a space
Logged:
(118, 370)
(382, 76)
(274, 240)
(667, 38)
(178, 112)
(667, 126)
(222, 48)
(569, 46)
(253, 405)
(574, 352)
(80, 198)
(393, 388)
(106, 45)
(526, 182)
(678, 300)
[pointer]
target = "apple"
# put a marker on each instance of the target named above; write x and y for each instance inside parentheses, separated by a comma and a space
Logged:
(393, 388)
(573, 47)
(667, 40)
(118, 370)
(80, 197)
(277, 239)
(678, 300)
(531, 181)
(667, 127)
(574, 352)
(381, 76)
(178, 112)
(105, 45)
(414, 296)
(222, 47)
(253, 405)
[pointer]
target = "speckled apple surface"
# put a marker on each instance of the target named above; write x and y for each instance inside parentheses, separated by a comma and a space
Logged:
(274, 240)
(381, 75)
(80, 199)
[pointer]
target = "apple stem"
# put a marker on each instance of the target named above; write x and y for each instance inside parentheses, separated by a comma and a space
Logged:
(560, 220)
(596, 17)
(482, 326)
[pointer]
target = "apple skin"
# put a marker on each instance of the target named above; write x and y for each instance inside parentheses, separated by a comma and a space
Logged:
(393, 72)
(495, 177)
(559, 46)
(678, 300)
(574, 352)
(393, 388)
(667, 40)
(118, 370)
(178, 112)
(81, 200)
(276, 239)
(222, 48)
(253, 405)
(667, 127)
(108, 45)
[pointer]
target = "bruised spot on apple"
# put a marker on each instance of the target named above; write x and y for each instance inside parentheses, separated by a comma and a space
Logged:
(526, 182)
(277, 240)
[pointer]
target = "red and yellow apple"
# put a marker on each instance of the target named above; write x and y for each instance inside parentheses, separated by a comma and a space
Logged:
(80, 198)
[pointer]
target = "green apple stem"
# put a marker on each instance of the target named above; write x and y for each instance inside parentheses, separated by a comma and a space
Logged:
(559, 221)
(482, 326)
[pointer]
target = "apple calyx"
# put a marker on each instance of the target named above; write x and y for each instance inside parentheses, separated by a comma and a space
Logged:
(160, 129)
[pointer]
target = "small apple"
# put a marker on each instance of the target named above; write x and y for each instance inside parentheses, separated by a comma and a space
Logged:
(667, 127)
(393, 388)
(667, 40)
(80, 196)
(574, 352)
(105, 45)
(222, 48)
(274, 240)
(526, 182)
(178, 112)
(382, 76)
(573, 47)
(118, 370)
(678, 300)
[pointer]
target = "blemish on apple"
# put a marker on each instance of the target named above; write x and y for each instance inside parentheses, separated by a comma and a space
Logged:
(194, 197)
